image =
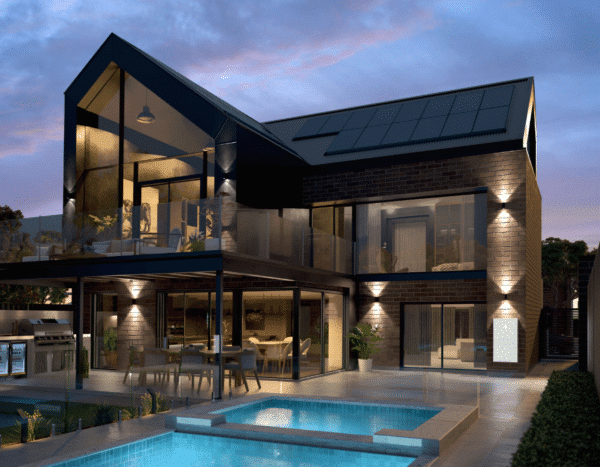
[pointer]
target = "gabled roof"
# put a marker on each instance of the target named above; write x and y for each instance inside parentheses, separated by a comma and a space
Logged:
(197, 104)
(490, 118)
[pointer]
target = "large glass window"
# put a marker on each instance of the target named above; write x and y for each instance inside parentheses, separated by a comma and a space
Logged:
(166, 146)
(267, 327)
(424, 235)
(333, 329)
(310, 333)
(104, 331)
(444, 336)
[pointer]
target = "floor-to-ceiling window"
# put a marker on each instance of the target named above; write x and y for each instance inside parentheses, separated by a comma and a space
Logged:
(104, 331)
(267, 325)
(444, 335)
(423, 235)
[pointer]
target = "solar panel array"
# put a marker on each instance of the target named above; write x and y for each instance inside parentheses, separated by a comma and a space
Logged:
(416, 121)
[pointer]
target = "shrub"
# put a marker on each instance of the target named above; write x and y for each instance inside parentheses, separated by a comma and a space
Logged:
(565, 428)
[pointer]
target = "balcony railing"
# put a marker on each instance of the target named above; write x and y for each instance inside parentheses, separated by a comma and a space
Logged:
(173, 228)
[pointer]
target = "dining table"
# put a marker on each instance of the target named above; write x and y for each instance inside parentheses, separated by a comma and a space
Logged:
(226, 354)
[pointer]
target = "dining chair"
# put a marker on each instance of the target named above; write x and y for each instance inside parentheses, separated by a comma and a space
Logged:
(193, 363)
(288, 339)
(304, 347)
(136, 361)
(286, 356)
(157, 361)
(244, 361)
(272, 356)
(249, 344)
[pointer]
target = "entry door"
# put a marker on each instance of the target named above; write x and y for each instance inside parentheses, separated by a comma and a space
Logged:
(444, 336)
(422, 335)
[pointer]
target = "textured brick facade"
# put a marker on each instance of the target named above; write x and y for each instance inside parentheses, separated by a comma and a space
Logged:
(513, 234)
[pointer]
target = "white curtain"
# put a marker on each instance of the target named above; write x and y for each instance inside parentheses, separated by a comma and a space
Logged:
(409, 246)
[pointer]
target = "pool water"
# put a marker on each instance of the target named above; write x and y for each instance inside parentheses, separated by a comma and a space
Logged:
(337, 417)
(188, 450)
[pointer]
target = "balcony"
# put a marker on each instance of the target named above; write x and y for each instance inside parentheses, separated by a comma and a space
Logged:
(173, 228)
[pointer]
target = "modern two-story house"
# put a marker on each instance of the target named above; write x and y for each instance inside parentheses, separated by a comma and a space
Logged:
(184, 219)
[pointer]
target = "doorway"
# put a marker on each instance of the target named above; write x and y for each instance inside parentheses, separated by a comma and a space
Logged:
(445, 336)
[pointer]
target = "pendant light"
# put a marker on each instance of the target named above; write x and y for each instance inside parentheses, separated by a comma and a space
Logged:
(146, 116)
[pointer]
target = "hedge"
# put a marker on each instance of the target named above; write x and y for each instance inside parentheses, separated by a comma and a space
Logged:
(565, 427)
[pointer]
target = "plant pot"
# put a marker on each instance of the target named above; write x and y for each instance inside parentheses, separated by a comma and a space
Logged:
(111, 358)
(365, 365)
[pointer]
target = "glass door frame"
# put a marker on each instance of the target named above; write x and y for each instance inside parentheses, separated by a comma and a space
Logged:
(296, 374)
(442, 305)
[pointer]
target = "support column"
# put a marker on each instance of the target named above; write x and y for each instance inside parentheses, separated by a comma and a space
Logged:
(218, 382)
(296, 335)
(78, 330)
(236, 332)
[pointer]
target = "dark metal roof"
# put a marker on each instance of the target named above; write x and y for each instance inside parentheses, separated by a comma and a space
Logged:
(491, 117)
(166, 83)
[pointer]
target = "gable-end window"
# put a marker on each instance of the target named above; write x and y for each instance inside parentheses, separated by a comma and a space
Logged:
(423, 235)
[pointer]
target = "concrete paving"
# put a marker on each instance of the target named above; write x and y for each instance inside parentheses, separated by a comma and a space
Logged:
(506, 406)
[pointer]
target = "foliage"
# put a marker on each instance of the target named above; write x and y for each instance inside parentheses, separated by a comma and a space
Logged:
(161, 403)
(194, 243)
(110, 339)
(560, 266)
(565, 426)
(364, 339)
(27, 294)
(105, 414)
(85, 364)
(102, 223)
(37, 426)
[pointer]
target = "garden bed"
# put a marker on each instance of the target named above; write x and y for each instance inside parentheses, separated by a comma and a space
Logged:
(565, 427)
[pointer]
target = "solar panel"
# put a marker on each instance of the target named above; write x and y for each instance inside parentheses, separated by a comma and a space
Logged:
(467, 102)
(372, 136)
(311, 126)
(411, 110)
(459, 124)
(497, 97)
(344, 140)
(438, 106)
(428, 128)
(359, 119)
(491, 119)
(335, 123)
(399, 132)
(385, 115)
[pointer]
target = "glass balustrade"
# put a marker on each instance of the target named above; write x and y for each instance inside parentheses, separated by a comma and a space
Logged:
(173, 228)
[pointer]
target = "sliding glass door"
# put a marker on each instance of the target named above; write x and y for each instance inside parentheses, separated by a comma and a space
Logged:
(444, 336)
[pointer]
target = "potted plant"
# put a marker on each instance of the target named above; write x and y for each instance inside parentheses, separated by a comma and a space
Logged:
(364, 339)
(110, 347)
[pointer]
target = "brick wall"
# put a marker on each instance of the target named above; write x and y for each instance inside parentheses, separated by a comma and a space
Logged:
(506, 178)
(386, 313)
(534, 283)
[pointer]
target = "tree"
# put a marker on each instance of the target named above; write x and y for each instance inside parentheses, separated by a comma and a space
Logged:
(560, 266)
(22, 294)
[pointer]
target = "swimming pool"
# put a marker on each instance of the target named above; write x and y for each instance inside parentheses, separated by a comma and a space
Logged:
(189, 450)
(333, 417)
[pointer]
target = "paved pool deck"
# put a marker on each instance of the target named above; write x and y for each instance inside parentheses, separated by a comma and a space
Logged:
(505, 404)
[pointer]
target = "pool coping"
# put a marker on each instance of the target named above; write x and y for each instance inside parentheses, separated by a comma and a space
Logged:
(427, 441)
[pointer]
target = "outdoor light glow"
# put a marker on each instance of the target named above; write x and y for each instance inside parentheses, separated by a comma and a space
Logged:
(135, 309)
(377, 288)
(135, 287)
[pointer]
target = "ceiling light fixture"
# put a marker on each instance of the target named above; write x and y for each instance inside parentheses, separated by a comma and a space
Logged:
(146, 116)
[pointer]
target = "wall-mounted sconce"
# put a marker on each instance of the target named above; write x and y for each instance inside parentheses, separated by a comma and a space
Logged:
(505, 296)
(376, 299)
(503, 205)
(134, 301)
